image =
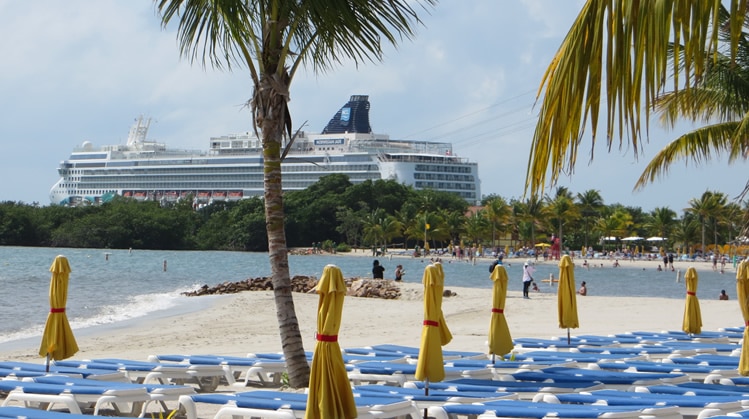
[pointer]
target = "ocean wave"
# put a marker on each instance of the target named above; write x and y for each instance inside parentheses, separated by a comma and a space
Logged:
(134, 307)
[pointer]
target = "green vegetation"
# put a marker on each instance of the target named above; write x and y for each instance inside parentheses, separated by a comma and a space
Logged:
(336, 215)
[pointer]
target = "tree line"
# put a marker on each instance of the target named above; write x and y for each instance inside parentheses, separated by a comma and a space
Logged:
(382, 213)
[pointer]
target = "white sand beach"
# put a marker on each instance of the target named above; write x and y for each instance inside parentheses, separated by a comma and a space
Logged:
(242, 323)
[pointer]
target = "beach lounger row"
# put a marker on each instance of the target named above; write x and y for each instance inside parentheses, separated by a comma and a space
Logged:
(77, 395)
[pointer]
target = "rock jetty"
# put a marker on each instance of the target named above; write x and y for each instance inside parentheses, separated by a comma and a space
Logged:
(357, 287)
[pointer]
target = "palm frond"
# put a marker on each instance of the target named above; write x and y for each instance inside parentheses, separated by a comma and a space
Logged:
(699, 145)
(622, 46)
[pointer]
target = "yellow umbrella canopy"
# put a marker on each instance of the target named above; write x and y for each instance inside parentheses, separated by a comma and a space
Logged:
(330, 393)
(567, 295)
(434, 333)
(692, 322)
(500, 341)
(58, 341)
(742, 294)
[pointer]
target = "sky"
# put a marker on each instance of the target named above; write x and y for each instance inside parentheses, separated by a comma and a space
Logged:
(82, 70)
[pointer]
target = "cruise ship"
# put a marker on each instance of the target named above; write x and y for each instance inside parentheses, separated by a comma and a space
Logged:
(232, 168)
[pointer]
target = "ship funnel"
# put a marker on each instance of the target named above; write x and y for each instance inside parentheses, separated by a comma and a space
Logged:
(353, 117)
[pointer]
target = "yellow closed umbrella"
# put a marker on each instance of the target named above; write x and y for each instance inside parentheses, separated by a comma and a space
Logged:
(58, 341)
(742, 294)
(434, 333)
(567, 296)
(330, 394)
(692, 322)
(500, 341)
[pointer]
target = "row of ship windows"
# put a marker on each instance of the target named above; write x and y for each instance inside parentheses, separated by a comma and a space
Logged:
(445, 185)
(193, 182)
(222, 170)
(452, 178)
(135, 181)
(442, 168)
(256, 185)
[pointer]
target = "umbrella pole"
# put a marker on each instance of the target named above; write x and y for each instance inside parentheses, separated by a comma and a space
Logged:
(426, 393)
(568, 336)
(493, 358)
(47, 362)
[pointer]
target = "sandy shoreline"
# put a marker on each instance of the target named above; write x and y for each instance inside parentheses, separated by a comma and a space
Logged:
(242, 323)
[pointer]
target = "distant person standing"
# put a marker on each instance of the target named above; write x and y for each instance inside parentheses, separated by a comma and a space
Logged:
(377, 270)
(671, 261)
(528, 272)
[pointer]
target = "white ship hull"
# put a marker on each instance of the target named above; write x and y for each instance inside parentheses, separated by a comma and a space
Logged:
(232, 168)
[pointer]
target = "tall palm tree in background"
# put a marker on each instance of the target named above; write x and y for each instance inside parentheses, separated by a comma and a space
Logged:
(531, 212)
(498, 213)
(273, 39)
(686, 231)
(717, 215)
(561, 210)
(661, 222)
(616, 55)
(590, 202)
(703, 208)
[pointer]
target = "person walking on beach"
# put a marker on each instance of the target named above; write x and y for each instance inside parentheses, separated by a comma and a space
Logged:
(377, 270)
(528, 272)
(399, 272)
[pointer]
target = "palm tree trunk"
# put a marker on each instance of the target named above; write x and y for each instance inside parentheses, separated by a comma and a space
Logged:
(272, 123)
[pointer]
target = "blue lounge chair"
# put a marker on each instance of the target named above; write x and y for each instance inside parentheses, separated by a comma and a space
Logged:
(533, 410)
(692, 406)
(523, 389)
(74, 396)
(399, 373)
(285, 405)
(239, 371)
(29, 413)
(610, 378)
(158, 392)
(560, 356)
(28, 369)
(439, 396)
(206, 377)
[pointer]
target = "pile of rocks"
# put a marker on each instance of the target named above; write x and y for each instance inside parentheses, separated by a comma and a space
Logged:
(357, 287)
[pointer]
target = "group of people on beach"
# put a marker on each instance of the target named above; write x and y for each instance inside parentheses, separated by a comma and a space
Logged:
(378, 271)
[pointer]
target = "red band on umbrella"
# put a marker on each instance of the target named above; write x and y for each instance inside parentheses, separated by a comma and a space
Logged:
(746, 324)
(691, 293)
(57, 310)
(431, 323)
(326, 338)
(497, 310)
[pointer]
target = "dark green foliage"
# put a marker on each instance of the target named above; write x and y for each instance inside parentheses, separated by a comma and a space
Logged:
(333, 212)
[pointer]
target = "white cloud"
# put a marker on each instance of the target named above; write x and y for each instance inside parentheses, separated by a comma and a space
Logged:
(80, 70)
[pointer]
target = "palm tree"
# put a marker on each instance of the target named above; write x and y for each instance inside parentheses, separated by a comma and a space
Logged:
(661, 222)
(274, 39)
(530, 211)
(703, 208)
(628, 43)
(686, 230)
(589, 203)
(476, 225)
(561, 210)
(497, 212)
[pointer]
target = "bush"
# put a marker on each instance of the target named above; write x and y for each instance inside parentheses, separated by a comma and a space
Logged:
(343, 248)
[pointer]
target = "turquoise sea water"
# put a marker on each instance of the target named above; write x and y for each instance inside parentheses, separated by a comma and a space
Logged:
(112, 286)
